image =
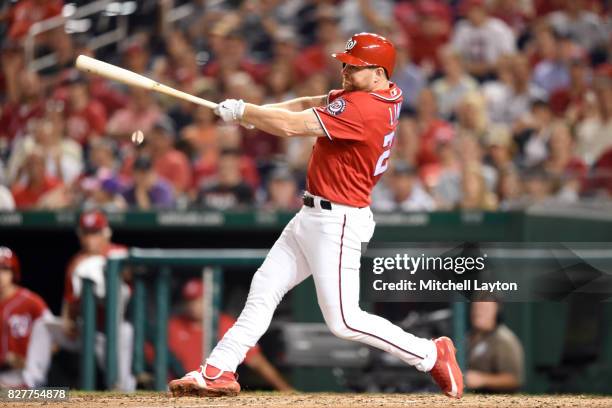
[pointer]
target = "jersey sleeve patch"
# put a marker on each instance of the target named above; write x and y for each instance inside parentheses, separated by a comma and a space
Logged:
(336, 107)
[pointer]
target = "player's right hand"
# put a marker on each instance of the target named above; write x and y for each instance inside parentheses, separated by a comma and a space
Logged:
(230, 110)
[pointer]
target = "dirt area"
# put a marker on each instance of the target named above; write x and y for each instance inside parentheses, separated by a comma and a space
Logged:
(316, 400)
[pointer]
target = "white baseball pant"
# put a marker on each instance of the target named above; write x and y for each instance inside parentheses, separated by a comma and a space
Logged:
(326, 244)
(48, 331)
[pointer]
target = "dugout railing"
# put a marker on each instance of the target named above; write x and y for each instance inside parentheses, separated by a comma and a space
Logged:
(212, 262)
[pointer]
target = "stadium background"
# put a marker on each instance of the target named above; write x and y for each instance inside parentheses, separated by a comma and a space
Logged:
(481, 171)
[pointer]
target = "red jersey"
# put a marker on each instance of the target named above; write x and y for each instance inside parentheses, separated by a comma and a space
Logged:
(360, 126)
(27, 197)
(18, 314)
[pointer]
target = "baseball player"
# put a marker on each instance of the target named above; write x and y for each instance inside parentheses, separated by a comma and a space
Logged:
(64, 331)
(20, 309)
(355, 128)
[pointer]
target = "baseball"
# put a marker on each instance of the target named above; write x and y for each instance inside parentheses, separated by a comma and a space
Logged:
(137, 137)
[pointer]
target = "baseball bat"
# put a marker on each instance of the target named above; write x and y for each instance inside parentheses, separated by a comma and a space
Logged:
(110, 71)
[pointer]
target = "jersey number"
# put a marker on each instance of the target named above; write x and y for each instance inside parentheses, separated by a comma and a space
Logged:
(383, 160)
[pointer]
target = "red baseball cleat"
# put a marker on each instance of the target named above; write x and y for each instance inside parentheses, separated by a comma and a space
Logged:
(208, 381)
(446, 371)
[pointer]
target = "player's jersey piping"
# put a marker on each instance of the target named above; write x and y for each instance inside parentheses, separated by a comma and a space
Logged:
(342, 308)
(321, 122)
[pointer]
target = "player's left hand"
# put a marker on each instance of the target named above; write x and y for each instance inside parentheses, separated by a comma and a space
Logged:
(230, 110)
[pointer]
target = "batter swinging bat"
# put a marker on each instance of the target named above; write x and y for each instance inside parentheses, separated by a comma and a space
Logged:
(94, 66)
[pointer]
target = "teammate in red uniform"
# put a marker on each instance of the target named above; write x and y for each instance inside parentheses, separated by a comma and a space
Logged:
(95, 237)
(185, 333)
(355, 127)
(20, 309)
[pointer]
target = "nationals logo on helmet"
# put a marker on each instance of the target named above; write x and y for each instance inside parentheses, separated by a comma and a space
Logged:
(350, 44)
(336, 107)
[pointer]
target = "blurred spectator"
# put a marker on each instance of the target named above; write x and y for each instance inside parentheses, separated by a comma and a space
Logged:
(24, 13)
(581, 25)
(465, 159)
(480, 39)
(431, 130)
(562, 162)
(317, 58)
(282, 192)
(280, 79)
(228, 191)
(552, 71)
(474, 192)
(428, 25)
(594, 130)
(103, 193)
(229, 137)
(234, 58)
(64, 331)
(524, 91)
(443, 179)
(21, 310)
(102, 156)
(63, 157)
(500, 147)
(148, 191)
(510, 189)
(141, 113)
(498, 93)
(405, 192)
(495, 355)
(472, 116)
(372, 16)
(12, 59)
(408, 76)
(517, 14)
(201, 135)
(33, 182)
(570, 102)
(177, 65)
(453, 86)
(85, 117)
(169, 163)
(27, 103)
(185, 335)
(539, 186)
(533, 134)
(136, 57)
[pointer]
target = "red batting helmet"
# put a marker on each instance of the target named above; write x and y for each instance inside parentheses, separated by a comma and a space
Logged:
(8, 260)
(368, 50)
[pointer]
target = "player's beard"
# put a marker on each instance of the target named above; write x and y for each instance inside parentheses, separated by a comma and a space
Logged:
(348, 85)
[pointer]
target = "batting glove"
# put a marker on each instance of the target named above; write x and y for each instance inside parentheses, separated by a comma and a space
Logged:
(230, 110)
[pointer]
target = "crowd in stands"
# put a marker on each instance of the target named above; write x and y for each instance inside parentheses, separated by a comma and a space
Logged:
(507, 103)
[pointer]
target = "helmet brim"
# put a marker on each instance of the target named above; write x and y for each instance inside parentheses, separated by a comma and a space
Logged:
(350, 60)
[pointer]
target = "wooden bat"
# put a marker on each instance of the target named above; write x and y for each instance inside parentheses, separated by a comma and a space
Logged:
(110, 71)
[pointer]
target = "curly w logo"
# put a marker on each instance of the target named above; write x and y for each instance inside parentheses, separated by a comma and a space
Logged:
(350, 44)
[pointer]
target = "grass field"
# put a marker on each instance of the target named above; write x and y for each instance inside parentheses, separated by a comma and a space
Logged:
(303, 400)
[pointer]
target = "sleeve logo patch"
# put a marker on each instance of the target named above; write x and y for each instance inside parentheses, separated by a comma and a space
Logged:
(336, 107)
